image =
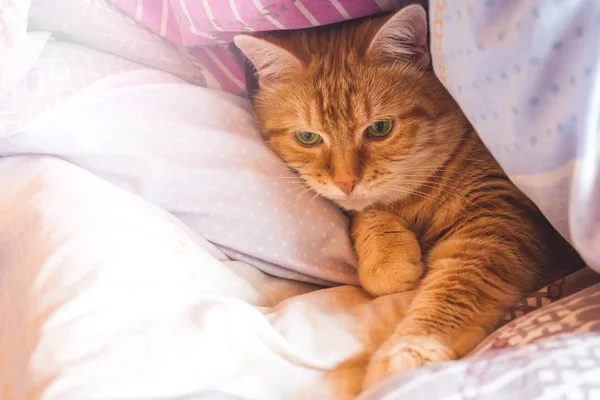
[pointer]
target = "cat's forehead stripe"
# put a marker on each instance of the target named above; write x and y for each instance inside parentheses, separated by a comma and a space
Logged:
(340, 105)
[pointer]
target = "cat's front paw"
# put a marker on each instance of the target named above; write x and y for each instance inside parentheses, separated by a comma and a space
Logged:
(384, 277)
(389, 255)
(404, 353)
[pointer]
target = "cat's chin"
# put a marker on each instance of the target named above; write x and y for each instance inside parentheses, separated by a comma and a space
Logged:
(354, 204)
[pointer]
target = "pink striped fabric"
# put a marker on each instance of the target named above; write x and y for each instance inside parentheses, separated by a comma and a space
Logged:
(206, 27)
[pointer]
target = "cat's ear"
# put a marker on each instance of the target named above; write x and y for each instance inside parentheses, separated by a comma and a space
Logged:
(272, 63)
(403, 38)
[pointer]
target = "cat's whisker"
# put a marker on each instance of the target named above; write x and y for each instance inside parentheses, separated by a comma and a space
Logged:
(297, 195)
(288, 181)
(465, 159)
(425, 176)
(317, 195)
(431, 184)
(282, 163)
(453, 191)
(413, 191)
(416, 168)
(275, 159)
(443, 187)
(298, 187)
(291, 181)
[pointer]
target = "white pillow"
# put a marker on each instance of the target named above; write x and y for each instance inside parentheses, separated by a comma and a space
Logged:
(19, 49)
(100, 25)
(191, 150)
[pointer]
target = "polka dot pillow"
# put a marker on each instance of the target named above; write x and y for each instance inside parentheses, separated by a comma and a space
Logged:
(193, 151)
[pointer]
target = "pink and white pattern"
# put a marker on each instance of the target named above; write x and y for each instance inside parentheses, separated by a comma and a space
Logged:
(207, 27)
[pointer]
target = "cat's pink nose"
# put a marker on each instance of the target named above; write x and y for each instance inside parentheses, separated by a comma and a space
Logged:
(347, 185)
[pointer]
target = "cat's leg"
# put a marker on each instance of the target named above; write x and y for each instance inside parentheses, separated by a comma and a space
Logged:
(389, 256)
(469, 285)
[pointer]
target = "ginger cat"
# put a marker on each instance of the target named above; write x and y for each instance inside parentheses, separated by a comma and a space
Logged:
(354, 109)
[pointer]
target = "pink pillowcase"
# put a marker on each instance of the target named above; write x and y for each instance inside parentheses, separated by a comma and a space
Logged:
(208, 26)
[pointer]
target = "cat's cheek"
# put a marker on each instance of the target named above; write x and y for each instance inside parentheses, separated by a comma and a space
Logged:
(367, 146)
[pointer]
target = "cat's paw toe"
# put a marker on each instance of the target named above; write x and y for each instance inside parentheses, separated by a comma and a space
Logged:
(404, 353)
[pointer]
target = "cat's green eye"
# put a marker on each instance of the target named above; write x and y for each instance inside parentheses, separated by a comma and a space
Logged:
(380, 129)
(308, 138)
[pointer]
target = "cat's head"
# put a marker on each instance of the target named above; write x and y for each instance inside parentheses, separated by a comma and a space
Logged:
(353, 107)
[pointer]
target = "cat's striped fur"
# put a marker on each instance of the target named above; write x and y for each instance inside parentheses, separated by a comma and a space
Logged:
(430, 206)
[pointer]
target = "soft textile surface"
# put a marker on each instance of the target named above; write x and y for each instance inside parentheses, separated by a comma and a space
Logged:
(18, 47)
(578, 313)
(556, 356)
(206, 27)
(193, 151)
(555, 162)
(98, 24)
(104, 295)
(562, 288)
(526, 73)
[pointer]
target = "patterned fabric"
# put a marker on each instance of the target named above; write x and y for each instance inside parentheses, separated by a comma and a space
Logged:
(568, 368)
(19, 48)
(36, 75)
(578, 313)
(552, 353)
(117, 119)
(66, 71)
(99, 25)
(527, 75)
(564, 287)
(207, 27)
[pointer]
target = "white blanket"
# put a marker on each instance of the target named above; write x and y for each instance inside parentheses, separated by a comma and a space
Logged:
(104, 295)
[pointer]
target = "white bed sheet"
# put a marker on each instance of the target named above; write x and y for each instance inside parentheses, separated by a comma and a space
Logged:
(104, 295)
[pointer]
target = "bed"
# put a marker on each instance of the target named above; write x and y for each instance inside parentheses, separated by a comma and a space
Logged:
(152, 247)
